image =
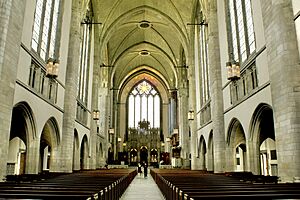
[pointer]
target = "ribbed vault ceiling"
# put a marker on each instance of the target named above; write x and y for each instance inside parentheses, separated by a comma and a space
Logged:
(137, 33)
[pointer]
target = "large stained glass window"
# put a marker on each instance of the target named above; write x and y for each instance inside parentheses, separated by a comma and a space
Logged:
(144, 105)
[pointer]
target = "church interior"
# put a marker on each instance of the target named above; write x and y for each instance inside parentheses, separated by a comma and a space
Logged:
(90, 89)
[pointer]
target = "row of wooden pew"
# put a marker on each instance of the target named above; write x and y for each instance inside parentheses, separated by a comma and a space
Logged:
(98, 184)
(178, 184)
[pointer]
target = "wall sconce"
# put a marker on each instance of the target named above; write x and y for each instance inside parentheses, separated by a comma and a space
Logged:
(191, 115)
(96, 114)
(52, 68)
(119, 139)
(233, 71)
(124, 144)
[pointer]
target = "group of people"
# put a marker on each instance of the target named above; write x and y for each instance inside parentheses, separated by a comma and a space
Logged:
(145, 166)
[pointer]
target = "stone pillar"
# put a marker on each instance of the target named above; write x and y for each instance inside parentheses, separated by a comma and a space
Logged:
(284, 69)
(252, 153)
(70, 100)
(183, 123)
(94, 123)
(192, 107)
(215, 81)
(32, 155)
(11, 22)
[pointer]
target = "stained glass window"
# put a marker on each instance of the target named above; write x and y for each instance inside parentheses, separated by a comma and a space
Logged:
(144, 105)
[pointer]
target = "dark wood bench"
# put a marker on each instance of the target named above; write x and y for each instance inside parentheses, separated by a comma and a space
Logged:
(186, 184)
(98, 184)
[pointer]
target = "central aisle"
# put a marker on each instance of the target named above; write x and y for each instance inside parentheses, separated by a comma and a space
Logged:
(142, 189)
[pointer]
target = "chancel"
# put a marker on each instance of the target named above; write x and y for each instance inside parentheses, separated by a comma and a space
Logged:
(203, 94)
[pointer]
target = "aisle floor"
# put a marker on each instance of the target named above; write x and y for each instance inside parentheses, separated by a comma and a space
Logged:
(142, 189)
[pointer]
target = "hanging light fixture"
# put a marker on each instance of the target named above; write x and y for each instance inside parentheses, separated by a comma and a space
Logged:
(111, 131)
(191, 115)
(96, 114)
(52, 68)
(233, 71)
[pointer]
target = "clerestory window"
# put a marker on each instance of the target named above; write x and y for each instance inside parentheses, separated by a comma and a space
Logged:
(45, 28)
(83, 70)
(241, 28)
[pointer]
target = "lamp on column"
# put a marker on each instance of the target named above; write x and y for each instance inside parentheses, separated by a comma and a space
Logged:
(191, 115)
(52, 68)
(96, 114)
(111, 132)
(233, 71)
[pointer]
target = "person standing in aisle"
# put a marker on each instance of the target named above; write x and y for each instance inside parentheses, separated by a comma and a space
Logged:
(145, 169)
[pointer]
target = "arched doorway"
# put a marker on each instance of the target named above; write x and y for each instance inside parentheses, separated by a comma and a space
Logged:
(263, 141)
(22, 133)
(202, 153)
(268, 158)
(153, 157)
(144, 154)
(16, 162)
(133, 157)
(236, 141)
(49, 142)
(84, 153)
(210, 154)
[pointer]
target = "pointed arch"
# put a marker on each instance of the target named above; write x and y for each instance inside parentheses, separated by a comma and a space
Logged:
(49, 142)
(202, 153)
(263, 141)
(236, 141)
(210, 149)
(22, 135)
(84, 152)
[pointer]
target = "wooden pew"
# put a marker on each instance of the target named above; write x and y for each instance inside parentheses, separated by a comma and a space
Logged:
(98, 184)
(186, 184)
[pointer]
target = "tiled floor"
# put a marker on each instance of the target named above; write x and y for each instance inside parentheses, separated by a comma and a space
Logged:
(142, 188)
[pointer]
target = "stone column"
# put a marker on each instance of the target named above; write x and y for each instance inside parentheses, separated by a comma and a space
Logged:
(192, 104)
(215, 81)
(11, 22)
(32, 155)
(70, 102)
(284, 69)
(94, 123)
(183, 125)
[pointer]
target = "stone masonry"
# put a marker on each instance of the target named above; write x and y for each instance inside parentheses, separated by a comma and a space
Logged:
(283, 64)
(10, 40)
(66, 157)
(217, 109)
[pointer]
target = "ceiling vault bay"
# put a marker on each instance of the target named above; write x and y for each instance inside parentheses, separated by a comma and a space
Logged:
(143, 34)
